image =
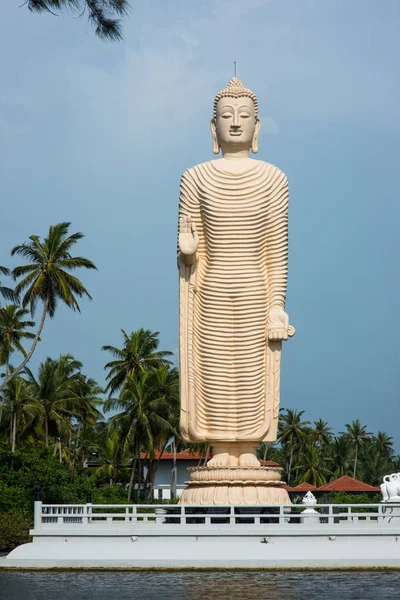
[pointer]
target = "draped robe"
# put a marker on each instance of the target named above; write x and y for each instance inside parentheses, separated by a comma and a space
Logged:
(229, 370)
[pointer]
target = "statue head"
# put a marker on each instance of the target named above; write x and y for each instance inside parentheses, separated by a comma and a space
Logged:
(235, 124)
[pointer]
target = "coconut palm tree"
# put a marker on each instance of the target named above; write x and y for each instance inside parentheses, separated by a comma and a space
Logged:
(114, 459)
(293, 431)
(103, 14)
(53, 389)
(47, 278)
(139, 353)
(321, 433)
(12, 333)
(310, 467)
(84, 404)
(13, 330)
(22, 408)
(146, 414)
(383, 444)
(358, 435)
(339, 456)
(6, 292)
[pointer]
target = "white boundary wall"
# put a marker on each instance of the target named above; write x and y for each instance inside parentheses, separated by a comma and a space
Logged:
(174, 536)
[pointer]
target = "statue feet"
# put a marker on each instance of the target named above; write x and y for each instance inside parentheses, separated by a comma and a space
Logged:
(234, 455)
(220, 460)
(248, 459)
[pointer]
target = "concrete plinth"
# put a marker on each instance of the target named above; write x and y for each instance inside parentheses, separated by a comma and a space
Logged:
(234, 485)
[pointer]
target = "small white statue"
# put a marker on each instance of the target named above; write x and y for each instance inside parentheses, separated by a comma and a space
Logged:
(309, 499)
(390, 488)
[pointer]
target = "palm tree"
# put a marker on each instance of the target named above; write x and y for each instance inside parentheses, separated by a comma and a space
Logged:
(382, 442)
(310, 468)
(13, 332)
(322, 433)
(47, 279)
(146, 414)
(138, 354)
(23, 408)
(84, 403)
(103, 14)
(340, 456)
(374, 466)
(358, 435)
(114, 459)
(53, 389)
(6, 292)
(292, 430)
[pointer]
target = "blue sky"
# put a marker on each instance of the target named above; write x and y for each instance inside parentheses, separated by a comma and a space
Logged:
(98, 134)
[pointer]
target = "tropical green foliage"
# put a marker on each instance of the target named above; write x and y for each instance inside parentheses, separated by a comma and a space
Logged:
(5, 292)
(53, 427)
(47, 279)
(104, 15)
(139, 353)
(312, 453)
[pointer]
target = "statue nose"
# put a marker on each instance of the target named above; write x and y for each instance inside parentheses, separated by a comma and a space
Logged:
(235, 122)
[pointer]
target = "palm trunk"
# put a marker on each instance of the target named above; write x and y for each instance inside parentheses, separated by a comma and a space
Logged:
(148, 479)
(2, 398)
(154, 473)
(78, 434)
(14, 432)
(69, 442)
(139, 474)
(355, 463)
(60, 450)
(132, 479)
(46, 430)
(27, 358)
(290, 462)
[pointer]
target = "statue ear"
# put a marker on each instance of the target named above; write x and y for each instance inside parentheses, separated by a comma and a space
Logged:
(216, 147)
(254, 143)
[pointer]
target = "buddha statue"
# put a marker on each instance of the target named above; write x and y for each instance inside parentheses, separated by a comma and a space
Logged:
(233, 263)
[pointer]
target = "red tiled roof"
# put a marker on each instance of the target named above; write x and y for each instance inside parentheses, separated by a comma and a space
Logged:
(268, 463)
(302, 487)
(347, 484)
(184, 455)
(187, 455)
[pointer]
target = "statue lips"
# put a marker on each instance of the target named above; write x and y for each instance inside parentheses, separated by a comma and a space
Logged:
(236, 132)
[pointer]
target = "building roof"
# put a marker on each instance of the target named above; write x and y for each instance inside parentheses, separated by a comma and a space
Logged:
(347, 484)
(187, 455)
(184, 455)
(302, 487)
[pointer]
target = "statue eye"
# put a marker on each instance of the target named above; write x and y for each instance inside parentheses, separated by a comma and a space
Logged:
(226, 116)
(245, 116)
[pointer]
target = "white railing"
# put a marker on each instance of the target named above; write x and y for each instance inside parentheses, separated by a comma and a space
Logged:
(164, 491)
(50, 516)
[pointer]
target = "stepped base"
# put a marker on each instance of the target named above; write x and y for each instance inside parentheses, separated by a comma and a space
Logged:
(234, 485)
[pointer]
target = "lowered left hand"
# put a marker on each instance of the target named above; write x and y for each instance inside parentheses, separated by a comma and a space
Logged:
(278, 327)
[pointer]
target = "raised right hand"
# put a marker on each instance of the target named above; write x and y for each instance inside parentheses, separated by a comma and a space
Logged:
(188, 236)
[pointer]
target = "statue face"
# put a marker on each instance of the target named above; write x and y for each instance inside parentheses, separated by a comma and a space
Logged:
(235, 123)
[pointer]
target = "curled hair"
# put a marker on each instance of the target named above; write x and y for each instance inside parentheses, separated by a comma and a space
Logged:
(235, 89)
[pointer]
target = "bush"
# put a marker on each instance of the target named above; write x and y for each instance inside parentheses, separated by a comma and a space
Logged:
(110, 495)
(22, 471)
(14, 529)
(346, 498)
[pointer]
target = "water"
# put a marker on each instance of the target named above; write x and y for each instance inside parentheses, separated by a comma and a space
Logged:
(225, 585)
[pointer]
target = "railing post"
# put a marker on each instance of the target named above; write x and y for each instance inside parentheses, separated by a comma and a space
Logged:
(134, 515)
(87, 510)
(37, 513)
